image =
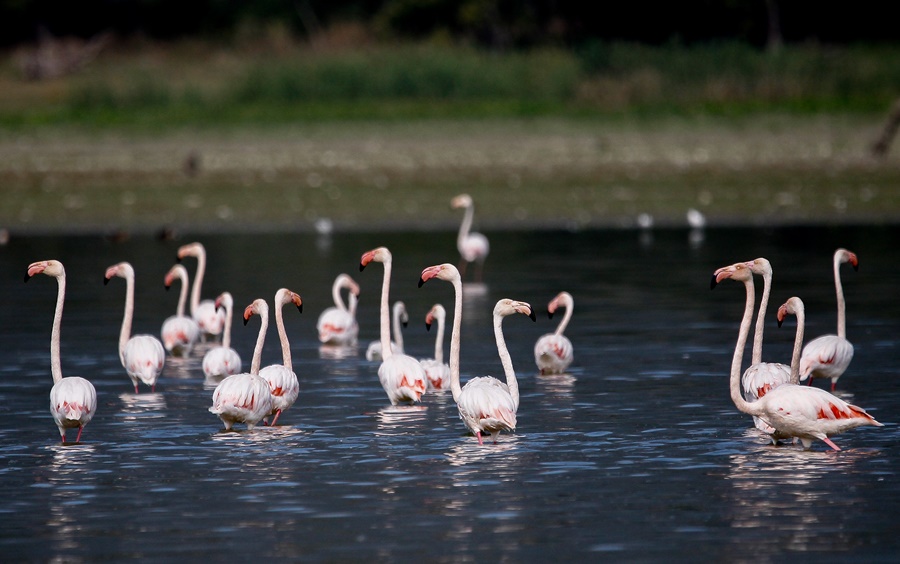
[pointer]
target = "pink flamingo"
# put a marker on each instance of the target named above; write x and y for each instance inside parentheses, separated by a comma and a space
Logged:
(337, 325)
(436, 370)
(143, 356)
(179, 332)
(281, 378)
(829, 356)
(245, 398)
(792, 410)
(401, 376)
(222, 361)
(399, 319)
(553, 352)
(73, 400)
(211, 321)
(485, 404)
(473, 247)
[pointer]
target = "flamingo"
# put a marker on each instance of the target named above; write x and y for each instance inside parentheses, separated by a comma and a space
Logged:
(485, 404)
(829, 356)
(179, 332)
(281, 378)
(792, 410)
(553, 351)
(436, 370)
(222, 361)
(401, 376)
(337, 325)
(245, 398)
(400, 318)
(473, 247)
(143, 356)
(210, 320)
(73, 400)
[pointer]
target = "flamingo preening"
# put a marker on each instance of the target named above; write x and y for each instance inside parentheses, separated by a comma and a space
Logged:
(553, 352)
(473, 247)
(337, 325)
(281, 378)
(179, 332)
(211, 321)
(222, 361)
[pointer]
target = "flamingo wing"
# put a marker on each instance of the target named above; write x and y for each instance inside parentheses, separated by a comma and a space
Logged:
(283, 385)
(827, 356)
(337, 327)
(553, 353)
(221, 362)
(402, 378)
(73, 402)
(144, 358)
(759, 378)
(243, 398)
(486, 406)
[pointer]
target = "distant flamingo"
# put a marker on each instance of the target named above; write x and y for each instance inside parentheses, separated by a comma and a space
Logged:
(179, 332)
(143, 356)
(400, 318)
(401, 376)
(829, 356)
(211, 322)
(793, 410)
(222, 361)
(245, 398)
(337, 325)
(473, 247)
(281, 378)
(436, 370)
(485, 404)
(553, 352)
(73, 400)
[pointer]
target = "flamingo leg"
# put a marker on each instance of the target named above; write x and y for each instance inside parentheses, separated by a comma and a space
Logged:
(78, 438)
(277, 413)
(478, 436)
(831, 444)
(479, 270)
(135, 388)
(63, 437)
(153, 388)
(833, 385)
(809, 382)
(462, 268)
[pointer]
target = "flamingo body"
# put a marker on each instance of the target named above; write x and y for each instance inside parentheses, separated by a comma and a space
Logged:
(222, 361)
(337, 325)
(179, 332)
(486, 406)
(242, 398)
(553, 352)
(437, 373)
(758, 380)
(827, 356)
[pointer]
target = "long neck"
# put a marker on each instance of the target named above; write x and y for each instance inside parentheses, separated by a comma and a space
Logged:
(55, 364)
(336, 295)
(761, 319)
(226, 332)
(182, 295)
(282, 336)
(198, 280)
(439, 341)
(260, 339)
(398, 334)
(506, 360)
(798, 347)
(839, 288)
(465, 225)
(566, 317)
(454, 339)
(738, 359)
(351, 299)
(386, 352)
(125, 333)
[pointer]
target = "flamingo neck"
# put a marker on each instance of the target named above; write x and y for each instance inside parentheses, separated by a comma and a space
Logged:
(439, 341)
(839, 289)
(55, 364)
(182, 294)
(454, 339)
(198, 280)
(336, 294)
(569, 305)
(465, 226)
(738, 359)
(798, 347)
(125, 333)
(761, 319)
(282, 336)
(352, 301)
(226, 331)
(386, 352)
(506, 360)
(260, 339)
(395, 326)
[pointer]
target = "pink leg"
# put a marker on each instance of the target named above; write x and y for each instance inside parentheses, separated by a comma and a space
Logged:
(153, 388)
(831, 444)
(809, 382)
(63, 438)
(277, 413)
(478, 436)
(78, 438)
(833, 385)
(135, 388)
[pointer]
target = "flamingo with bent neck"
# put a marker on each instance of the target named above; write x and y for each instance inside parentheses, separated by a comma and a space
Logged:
(792, 410)
(222, 361)
(337, 325)
(281, 378)
(211, 321)
(401, 375)
(553, 352)
(73, 400)
(829, 356)
(473, 247)
(179, 332)
(436, 370)
(143, 356)
(399, 319)
(485, 404)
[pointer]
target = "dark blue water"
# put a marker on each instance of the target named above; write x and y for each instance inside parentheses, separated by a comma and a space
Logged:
(637, 454)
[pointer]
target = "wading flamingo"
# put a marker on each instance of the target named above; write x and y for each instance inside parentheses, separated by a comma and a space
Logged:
(179, 332)
(485, 404)
(792, 410)
(829, 356)
(222, 361)
(473, 247)
(143, 356)
(337, 325)
(245, 398)
(211, 321)
(400, 319)
(73, 400)
(553, 352)
(401, 376)
(282, 380)
(436, 370)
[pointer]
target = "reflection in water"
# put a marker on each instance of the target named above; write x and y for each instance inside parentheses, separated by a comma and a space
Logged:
(338, 352)
(71, 487)
(181, 368)
(143, 406)
(400, 419)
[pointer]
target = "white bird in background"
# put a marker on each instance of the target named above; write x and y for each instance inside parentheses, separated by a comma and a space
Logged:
(553, 352)
(179, 332)
(486, 405)
(473, 247)
(829, 356)
(222, 361)
(337, 325)
(281, 378)
(401, 376)
(211, 321)
(143, 356)
(73, 400)
(436, 370)
(245, 398)
(400, 318)
(792, 410)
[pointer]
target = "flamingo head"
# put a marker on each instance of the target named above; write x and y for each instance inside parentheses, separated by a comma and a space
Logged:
(285, 296)
(400, 312)
(445, 271)
(258, 307)
(461, 201)
(224, 301)
(176, 271)
(739, 271)
(438, 312)
(190, 250)
(843, 255)
(122, 270)
(507, 307)
(760, 267)
(48, 267)
(563, 299)
(381, 254)
(793, 306)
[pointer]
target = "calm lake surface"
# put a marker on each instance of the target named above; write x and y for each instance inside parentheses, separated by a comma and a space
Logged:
(637, 454)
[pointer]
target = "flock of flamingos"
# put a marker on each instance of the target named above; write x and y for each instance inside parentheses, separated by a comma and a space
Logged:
(771, 392)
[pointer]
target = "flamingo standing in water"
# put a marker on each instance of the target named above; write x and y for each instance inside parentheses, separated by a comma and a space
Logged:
(281, 378)
(222, 361)
(245, 398)
(829, 356)
(211, 321)
(337, 325)
(401, 376)
(73, 400)
(473, 247)
(485, 404)
(143, 356)
(792, 410)
(553, 352)
(179, 332)
(399, 319)
(436, 370)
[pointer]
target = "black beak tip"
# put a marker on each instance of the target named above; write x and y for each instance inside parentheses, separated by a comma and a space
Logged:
(178, 259)
(549, 314)
(105, 281)
(246, 319)
(712, 283)
(405, 323)
(27, 278)
(300, 308)
(428, 326)
(362, 267)
(532, 316)
(421, 282)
